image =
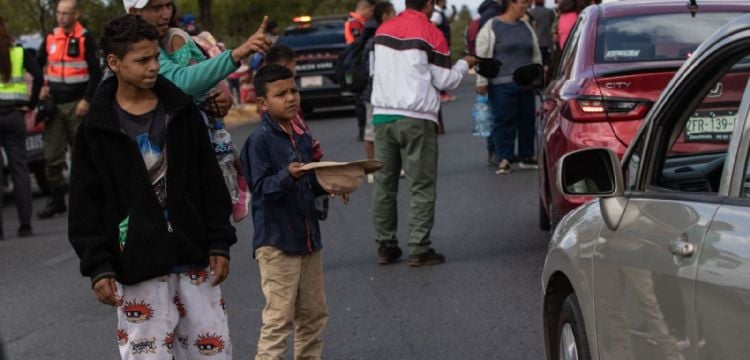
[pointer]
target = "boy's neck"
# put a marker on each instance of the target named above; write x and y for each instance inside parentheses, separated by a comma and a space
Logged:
(135, 100)
(285, 124)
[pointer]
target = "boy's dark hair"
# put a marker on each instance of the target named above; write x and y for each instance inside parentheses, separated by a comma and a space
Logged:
(268, 74)
(418, 4)
(279, 54)
(121, 33)
(381, 9)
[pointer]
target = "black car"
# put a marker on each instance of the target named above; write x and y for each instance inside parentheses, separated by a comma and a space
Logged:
(318, 42)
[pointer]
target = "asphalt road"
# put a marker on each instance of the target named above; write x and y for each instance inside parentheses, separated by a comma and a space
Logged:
(483, 303)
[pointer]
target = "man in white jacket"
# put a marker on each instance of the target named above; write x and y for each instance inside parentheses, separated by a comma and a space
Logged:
(412, 64)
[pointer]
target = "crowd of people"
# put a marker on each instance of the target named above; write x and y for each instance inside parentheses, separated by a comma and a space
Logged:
(150, 209)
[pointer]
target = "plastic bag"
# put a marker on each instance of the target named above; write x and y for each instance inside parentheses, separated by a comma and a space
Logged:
(481, 117)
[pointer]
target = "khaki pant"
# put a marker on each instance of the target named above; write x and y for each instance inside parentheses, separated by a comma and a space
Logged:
(295, 298)
(59, 133)
(409, 144)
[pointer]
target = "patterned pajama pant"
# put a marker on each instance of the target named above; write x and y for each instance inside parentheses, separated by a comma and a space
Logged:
(177, 315)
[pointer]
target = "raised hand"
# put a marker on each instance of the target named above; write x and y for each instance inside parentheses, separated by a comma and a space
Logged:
(257, 42)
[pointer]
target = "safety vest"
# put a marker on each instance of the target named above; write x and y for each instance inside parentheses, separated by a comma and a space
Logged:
(16, 89)
(61, 67)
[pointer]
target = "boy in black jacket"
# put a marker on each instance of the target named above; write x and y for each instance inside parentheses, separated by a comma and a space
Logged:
(149, 217)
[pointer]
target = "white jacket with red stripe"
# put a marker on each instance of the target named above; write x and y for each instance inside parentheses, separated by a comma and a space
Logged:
(412, 64)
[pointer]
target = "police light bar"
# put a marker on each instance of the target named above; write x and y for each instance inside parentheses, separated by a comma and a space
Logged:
(302, 19)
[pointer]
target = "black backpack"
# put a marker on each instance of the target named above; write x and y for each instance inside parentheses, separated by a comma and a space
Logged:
(350, 68)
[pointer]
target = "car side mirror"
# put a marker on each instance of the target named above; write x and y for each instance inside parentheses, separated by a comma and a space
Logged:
(590, 172)
(529, 76)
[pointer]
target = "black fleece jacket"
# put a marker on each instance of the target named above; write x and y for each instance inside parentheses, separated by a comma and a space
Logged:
(108, 183)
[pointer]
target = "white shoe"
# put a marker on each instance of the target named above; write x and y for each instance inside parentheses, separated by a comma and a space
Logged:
(503, 167)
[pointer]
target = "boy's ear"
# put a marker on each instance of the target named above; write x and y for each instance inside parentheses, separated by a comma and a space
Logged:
(261, 102)
(113, 62)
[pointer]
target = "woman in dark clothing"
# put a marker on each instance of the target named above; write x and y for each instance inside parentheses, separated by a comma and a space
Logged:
(513, 42)
(15, 102)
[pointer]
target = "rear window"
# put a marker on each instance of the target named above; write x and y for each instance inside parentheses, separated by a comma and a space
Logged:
(660, 37)
(314, 35)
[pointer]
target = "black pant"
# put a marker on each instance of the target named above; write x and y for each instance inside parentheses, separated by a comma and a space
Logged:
(361, 113)
(13, 141)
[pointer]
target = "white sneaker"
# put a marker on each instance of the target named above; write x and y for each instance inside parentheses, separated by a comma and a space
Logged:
(528, 164)
(503, 167)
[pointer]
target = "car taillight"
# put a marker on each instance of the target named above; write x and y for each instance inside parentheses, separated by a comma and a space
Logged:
(591, 110)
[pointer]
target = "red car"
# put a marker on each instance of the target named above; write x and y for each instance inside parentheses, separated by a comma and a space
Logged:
(618, 59)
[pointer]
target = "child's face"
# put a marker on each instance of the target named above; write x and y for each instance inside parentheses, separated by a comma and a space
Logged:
(281, 100)
(140, 65)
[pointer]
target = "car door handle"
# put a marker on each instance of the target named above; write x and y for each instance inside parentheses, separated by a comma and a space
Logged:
(681, 248)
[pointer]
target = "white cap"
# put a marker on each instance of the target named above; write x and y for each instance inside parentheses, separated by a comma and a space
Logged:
(138, 4)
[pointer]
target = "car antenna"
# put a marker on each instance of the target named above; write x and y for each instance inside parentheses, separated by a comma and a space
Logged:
(693, 7)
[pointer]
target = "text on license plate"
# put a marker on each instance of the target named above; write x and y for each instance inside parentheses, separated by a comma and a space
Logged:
(34, 142)
(311, 81)
(711, 126)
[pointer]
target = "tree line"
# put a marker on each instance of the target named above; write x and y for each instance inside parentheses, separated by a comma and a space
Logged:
(229, 20)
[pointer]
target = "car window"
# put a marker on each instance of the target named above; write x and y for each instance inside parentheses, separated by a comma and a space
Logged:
(311, 35)
(745, 192)
(569, 53)
(655, 37)
(698, 144)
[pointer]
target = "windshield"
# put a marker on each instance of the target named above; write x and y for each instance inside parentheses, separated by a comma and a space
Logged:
(315, 35)
(659, 37)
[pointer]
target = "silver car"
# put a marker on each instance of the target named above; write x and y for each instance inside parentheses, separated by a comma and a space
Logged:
(658, 267)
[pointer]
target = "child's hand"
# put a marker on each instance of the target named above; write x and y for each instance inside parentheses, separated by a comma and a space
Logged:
(219, 267)
(295, 170)
(106, 292)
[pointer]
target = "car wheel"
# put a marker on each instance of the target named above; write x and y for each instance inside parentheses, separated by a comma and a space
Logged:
(37, 168)
(571, 332)
(544, 223)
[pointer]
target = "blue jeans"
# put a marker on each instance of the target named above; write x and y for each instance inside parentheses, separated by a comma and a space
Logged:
(513, 108)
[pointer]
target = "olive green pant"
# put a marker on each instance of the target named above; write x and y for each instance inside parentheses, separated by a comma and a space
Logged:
(59, 133)
(411, 145)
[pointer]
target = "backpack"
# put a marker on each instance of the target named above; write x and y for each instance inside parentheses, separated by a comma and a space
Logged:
(471, 33)
(351, 72)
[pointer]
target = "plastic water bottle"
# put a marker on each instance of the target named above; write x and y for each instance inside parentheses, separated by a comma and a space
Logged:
(224, 150)
(481, 117)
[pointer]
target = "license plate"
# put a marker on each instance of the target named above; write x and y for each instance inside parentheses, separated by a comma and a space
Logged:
(714, 126)
(34, 142)
(311, 81)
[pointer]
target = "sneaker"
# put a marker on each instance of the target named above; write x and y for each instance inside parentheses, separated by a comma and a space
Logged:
(528, 164)
(503, 167)
(388, 254)
(25, 231)
(428, 258)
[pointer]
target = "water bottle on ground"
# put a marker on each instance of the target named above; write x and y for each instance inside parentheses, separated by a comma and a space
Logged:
(481, 117)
